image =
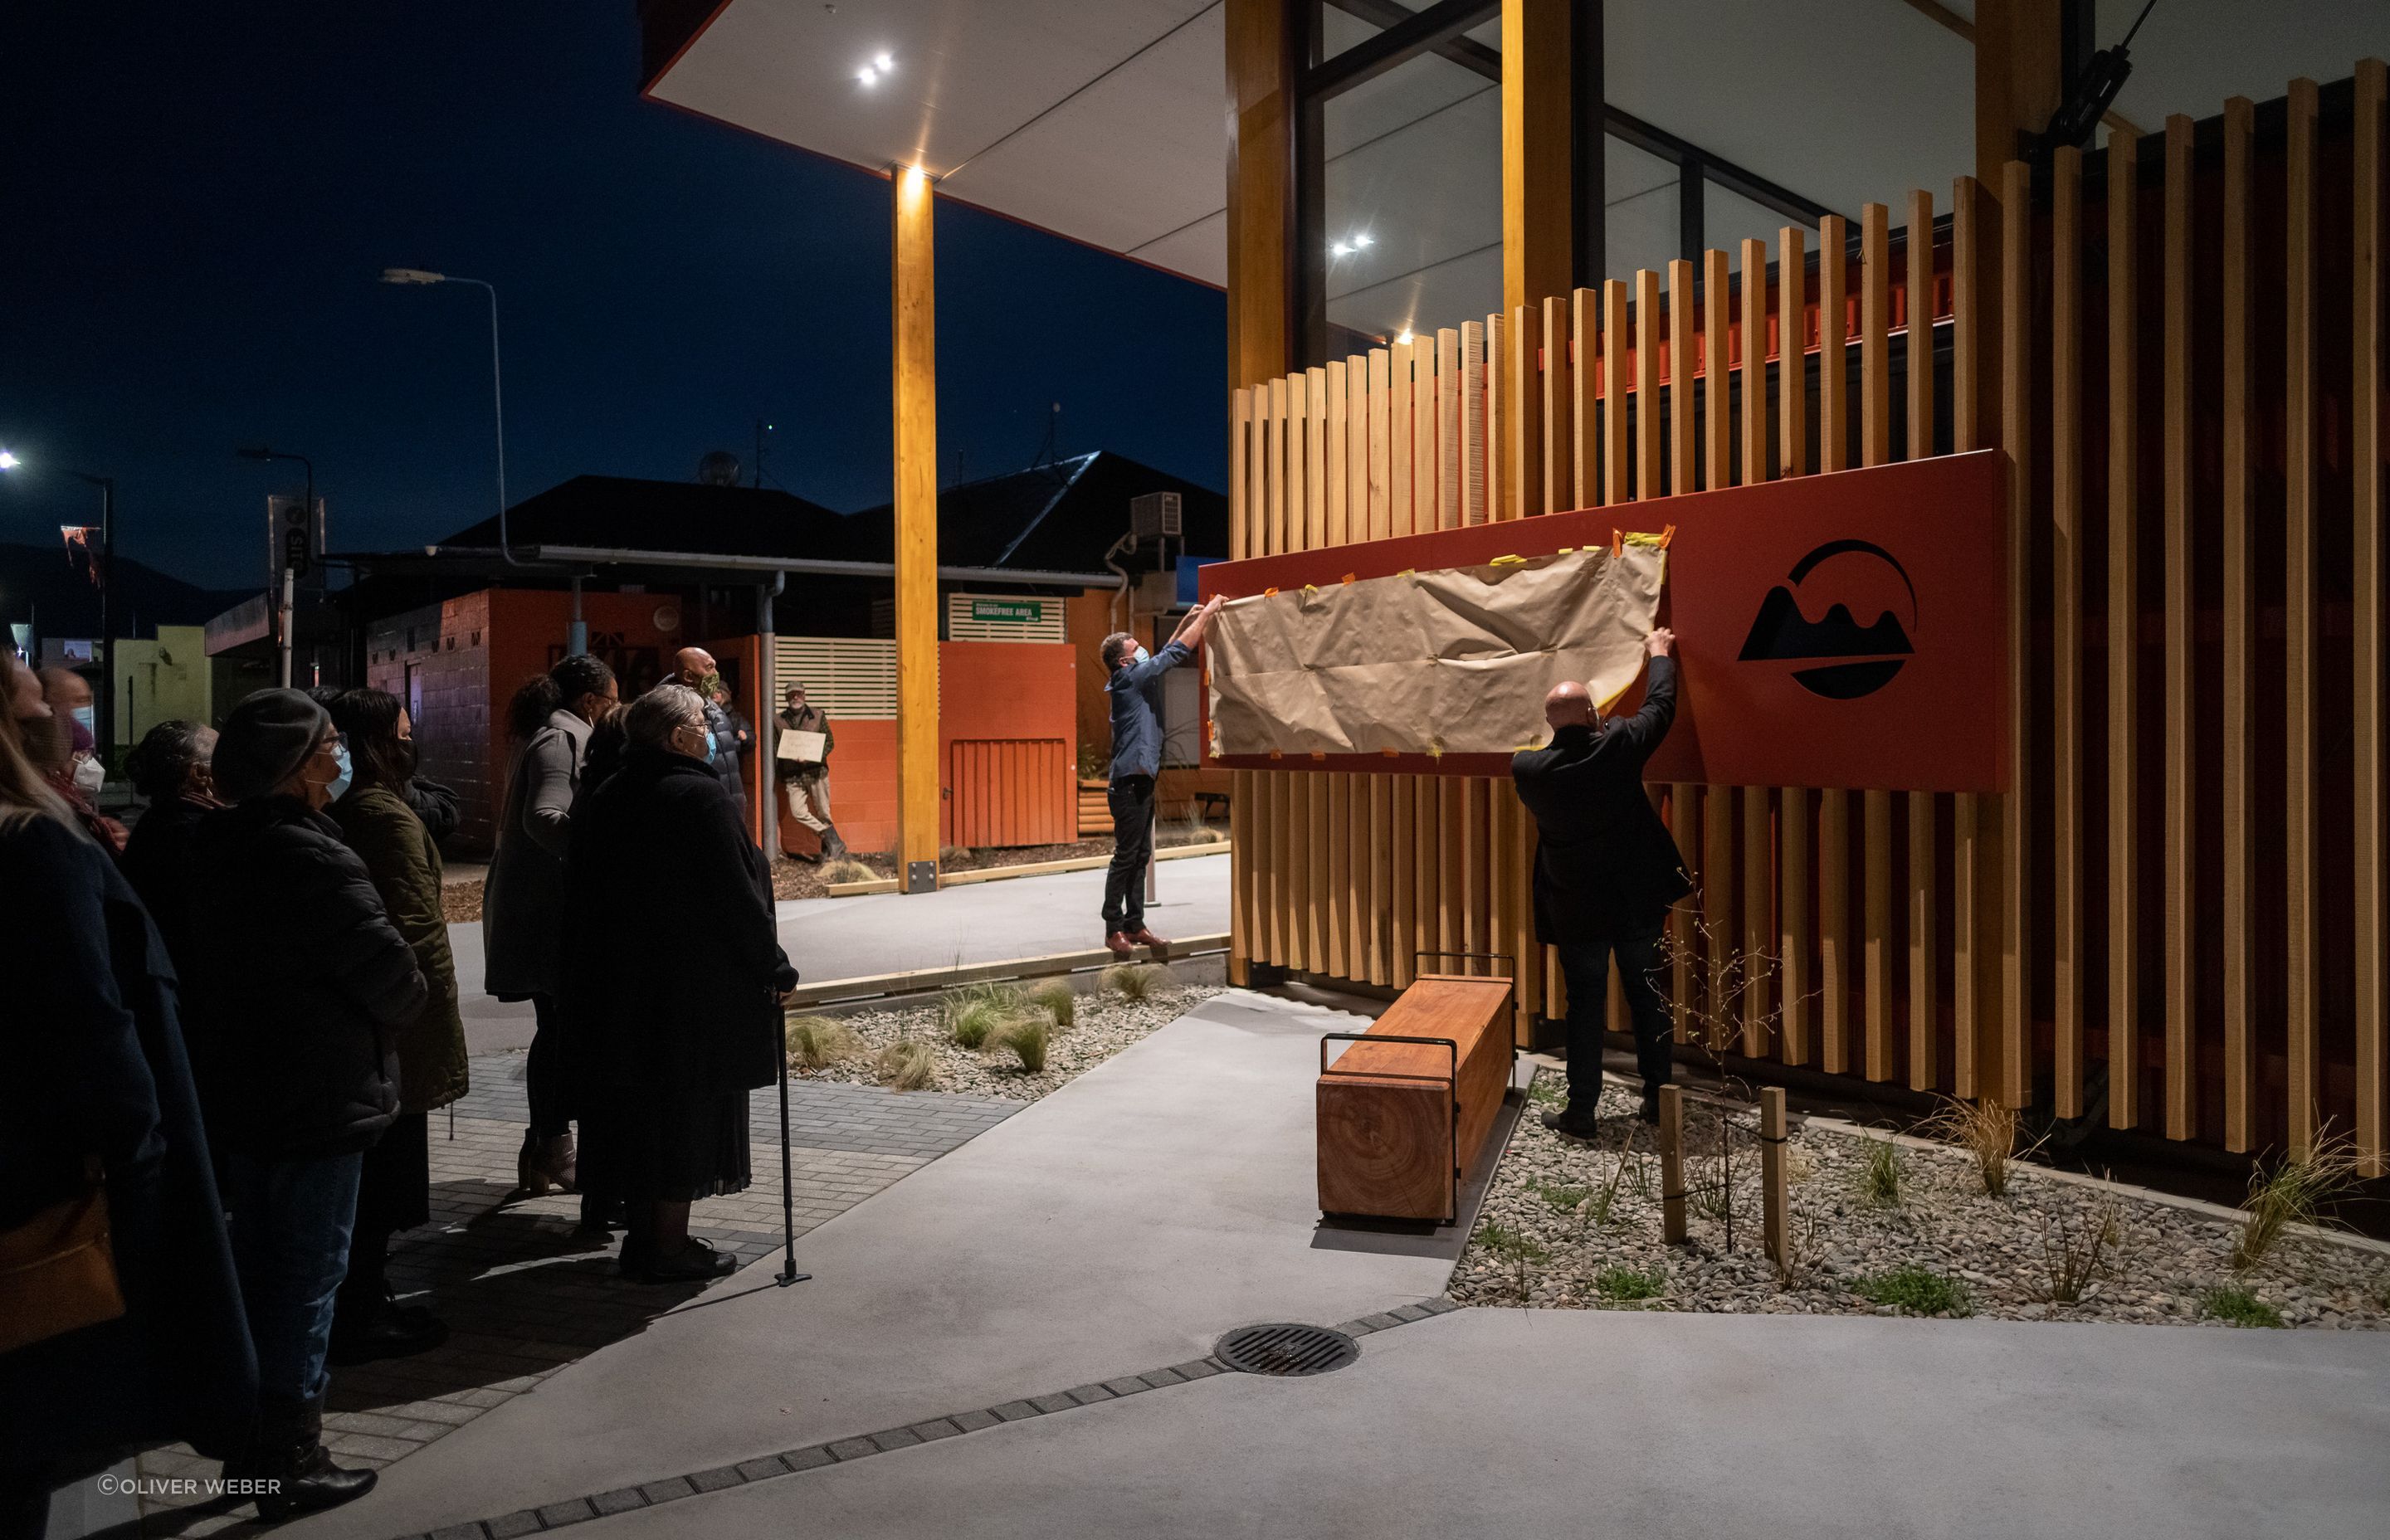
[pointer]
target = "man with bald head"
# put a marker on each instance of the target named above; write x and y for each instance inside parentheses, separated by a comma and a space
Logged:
(694, 667)
(1606, 871)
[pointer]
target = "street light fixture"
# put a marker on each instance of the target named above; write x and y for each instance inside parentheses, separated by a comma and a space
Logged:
(290, 581)
(416, 276)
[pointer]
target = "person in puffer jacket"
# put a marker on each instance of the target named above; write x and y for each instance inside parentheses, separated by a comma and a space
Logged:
(300, 985)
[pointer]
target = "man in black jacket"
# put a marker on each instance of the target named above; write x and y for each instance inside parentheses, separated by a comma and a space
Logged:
(1606, 871)
(297, 982)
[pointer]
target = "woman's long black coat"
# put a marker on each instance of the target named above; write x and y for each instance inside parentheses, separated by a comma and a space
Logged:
(90, 1033)
(670, 953)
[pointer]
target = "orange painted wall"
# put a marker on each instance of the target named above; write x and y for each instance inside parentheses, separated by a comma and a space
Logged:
(986, 690)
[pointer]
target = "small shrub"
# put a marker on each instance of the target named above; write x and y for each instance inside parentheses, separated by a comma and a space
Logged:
(1567, 1199)
(2238, 1306)
(908, 1066)
(1880, 1174)
(1027, 1037)
(2073, 1254)
(1986, 1130)
(847, 869)
(1917, 1291)
(1627, 1283)
(1518, 1249)
(2296, 1192)
(818, 1042)
(1133, 980)
(1058, 999)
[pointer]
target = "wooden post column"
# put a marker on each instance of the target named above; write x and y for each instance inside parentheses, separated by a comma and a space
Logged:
(1538, 154)
(2019, 79)
(915, 391)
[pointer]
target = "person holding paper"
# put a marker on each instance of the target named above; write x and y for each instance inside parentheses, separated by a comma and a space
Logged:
(801, 759)
(1134, 685)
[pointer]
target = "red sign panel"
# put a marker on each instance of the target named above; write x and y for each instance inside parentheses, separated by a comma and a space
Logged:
(1839, 631)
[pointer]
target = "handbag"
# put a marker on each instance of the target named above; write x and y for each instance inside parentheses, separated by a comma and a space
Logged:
(57, 1271)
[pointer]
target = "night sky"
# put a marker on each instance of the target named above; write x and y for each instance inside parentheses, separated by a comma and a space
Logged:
(199, 199)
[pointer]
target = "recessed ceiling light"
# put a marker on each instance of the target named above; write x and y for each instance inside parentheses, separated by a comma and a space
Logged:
(1362, 240)
(866, 75)
(1341, 250)
(884, 63)
(1406, 335)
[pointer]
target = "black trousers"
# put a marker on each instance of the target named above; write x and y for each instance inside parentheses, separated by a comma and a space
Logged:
(1584, 963)
(1132, 803)
(544, 1070)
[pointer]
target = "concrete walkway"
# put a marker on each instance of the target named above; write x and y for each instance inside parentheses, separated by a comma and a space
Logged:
(1013, 1341)
(1120, 1223)
(849, 938)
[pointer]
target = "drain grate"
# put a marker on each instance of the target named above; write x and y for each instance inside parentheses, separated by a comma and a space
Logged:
(1285, 1349)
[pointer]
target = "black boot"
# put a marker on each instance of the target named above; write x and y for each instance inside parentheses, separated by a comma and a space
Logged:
(832, 847)
(294, 1471)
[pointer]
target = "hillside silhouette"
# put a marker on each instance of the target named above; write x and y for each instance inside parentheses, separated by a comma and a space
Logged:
(1782, 631)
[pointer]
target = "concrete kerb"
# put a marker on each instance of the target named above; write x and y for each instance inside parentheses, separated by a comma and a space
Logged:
(840, 1451)
(1197, 959)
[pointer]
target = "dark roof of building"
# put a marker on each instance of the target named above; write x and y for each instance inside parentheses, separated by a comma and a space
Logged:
(1061, 517)
(633, 514)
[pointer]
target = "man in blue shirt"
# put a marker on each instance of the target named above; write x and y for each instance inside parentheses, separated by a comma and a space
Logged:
(1135, 689)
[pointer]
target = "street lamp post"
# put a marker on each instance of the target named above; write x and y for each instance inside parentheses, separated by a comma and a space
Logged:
(107, 484)
(497, 381)
(287, 610)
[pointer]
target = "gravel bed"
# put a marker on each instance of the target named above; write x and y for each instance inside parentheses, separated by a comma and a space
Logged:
(1544, 1223)
(1106, 1023)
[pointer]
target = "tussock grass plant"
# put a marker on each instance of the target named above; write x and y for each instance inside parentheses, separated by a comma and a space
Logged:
(1027, 1036)
(908, 1066)
(969, 1020)
(1624, 1284)
(1986, 1130)
(1565, 1197)
(2237, 1305)
(1549, 1090)
(1917, 1291)
(818, 1042)
(847, 869)
(1133, 980)
(2297, 1191)
(1058, 999)
(952, 856)
(1883, 1174)
(1517, 1248)
(2074, 1253)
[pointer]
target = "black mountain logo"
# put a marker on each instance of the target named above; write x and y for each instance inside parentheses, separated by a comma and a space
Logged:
(1782, 633)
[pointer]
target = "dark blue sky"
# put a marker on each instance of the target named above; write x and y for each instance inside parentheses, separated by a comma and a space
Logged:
(198, 199)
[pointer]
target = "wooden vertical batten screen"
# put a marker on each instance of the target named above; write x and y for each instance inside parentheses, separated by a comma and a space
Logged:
(2175, 921)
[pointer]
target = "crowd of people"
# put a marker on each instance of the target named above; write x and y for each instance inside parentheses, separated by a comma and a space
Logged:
(238, 1020)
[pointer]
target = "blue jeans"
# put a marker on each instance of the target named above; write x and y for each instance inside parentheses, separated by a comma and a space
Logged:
(1585, 962)
(290, 1223)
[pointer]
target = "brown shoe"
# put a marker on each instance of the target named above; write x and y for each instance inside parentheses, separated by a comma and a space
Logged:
(1145, 938)
(545, 1163)
(1118, 944)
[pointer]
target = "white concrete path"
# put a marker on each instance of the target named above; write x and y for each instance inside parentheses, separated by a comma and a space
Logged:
(847, 938)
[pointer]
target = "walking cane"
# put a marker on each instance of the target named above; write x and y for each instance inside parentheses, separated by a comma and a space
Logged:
(787, 1275)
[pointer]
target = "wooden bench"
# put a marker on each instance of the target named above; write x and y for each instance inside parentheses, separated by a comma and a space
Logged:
(1404, 1111)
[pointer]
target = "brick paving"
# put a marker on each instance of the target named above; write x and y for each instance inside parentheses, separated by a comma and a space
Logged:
(522, 1298)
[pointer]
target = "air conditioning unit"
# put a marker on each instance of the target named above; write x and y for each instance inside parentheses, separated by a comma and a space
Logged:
(1154, 516)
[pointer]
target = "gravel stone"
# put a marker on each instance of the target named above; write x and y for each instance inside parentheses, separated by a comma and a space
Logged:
(1551, 1192)
(1106, 1023)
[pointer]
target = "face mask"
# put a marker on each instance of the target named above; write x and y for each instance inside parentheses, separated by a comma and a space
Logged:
(403, 760)
(1142, 656)
(339, 785)
(84, 717)
(88, 775)
(711, 748)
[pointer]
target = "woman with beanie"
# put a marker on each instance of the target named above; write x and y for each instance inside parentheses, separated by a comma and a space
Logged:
(377, 818)
(299, 989)
(522, 902)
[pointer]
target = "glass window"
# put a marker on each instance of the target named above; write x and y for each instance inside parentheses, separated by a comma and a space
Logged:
(1641, 227)
(1412, 197)
(1729, 218)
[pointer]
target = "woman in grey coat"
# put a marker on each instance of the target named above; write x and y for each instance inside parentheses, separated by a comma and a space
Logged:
(522, 903)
